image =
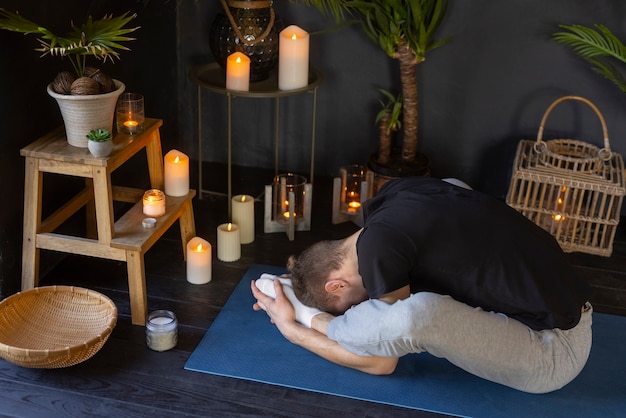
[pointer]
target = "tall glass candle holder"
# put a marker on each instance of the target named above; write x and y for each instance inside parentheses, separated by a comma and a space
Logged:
(288, 195)
(129, 113)
(352, 177)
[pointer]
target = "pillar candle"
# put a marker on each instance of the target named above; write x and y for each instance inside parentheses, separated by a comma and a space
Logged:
(198, 261)
(293, 58)
(176, 172)
(238, 72)
(228, 242)
(243, 216)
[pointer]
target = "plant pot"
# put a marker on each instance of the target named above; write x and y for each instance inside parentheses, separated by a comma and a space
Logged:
(82, 113)
(397, 168)
(100, 149)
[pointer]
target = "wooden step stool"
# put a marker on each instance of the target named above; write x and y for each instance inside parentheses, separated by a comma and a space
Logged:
(123, 240)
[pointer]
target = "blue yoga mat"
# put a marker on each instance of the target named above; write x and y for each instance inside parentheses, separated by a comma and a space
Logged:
(243, 344)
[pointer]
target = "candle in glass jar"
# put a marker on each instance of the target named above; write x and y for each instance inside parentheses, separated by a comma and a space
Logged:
(161, 330)
(176, 173)
(293, 58)
(130, 115)
(228, 242)
(198, 261)
(243, 216)
(353, 199)
(238, 72)
(154, 203)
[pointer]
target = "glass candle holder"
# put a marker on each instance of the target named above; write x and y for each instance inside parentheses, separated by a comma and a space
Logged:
(161, 330)
(154, 203)
(352, 177)
(129, 113)
(288, 195)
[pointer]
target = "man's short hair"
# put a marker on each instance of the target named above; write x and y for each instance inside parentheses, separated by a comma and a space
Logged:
(311, 269)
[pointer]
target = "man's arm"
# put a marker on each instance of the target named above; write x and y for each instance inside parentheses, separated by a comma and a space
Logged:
(314, 339)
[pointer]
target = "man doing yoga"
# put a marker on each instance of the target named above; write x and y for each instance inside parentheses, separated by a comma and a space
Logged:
(441, 269)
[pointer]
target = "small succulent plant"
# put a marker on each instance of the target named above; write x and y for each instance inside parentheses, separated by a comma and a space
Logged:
(99, 135)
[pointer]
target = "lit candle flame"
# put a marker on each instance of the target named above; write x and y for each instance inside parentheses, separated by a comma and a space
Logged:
(199, 248)
(176, 160)
(238, 60)
(559, 205)
(229, 227)
(294, 37)
(243, 198)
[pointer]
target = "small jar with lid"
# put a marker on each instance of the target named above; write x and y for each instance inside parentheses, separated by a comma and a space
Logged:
(154, 203)
(161, 330)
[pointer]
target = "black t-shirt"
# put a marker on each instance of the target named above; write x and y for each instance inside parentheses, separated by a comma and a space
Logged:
(445, 239)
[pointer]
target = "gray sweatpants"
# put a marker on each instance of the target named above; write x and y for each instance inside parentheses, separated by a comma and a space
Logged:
(486, 344)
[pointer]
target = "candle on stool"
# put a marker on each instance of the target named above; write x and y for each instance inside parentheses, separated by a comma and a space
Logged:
(243, 215)
(198, 261)
(176, 173)
(131, 125)
(129, 113)
(238, 72)
(228, 242)
(293, 58)
(154, 203)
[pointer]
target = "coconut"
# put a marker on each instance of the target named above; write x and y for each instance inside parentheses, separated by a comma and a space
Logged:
(62, 83)
(85, 86)
(106, 82)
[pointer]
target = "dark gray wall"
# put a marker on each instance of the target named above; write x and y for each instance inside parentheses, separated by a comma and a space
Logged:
(479, 95)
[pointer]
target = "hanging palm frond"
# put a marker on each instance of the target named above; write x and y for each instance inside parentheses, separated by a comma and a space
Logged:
(99, 38)
(597, 45)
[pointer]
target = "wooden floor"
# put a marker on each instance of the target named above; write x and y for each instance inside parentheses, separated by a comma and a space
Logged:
(127, 379)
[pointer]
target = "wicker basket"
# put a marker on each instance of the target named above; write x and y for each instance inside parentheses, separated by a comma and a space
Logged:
(54, 326)
(570, 188)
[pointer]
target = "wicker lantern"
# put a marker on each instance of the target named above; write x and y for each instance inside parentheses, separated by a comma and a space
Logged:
(570, 188)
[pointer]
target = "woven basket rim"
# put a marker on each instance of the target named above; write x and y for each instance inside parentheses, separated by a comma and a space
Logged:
(598, 155)
(9, 352)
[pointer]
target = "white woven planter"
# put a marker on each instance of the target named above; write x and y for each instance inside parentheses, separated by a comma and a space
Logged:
(81, 113)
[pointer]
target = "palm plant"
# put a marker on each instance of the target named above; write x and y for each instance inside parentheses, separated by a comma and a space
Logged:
(405, 31)
(388, 121)
(598, 46)
(97, 38)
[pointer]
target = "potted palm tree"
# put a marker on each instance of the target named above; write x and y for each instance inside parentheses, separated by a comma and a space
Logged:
(405, 30)
(86, 95)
